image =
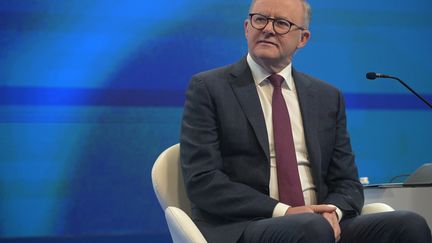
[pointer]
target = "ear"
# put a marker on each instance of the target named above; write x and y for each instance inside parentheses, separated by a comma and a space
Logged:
(246, 23)
(304, 38)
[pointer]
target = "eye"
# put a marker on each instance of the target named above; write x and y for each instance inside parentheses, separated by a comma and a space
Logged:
(282, 24)
(260, 19)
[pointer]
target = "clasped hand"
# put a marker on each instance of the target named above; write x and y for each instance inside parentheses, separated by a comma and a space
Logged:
(327, 211)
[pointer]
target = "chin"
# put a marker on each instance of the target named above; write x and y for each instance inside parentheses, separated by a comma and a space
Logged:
(266, 56)
(268, 52)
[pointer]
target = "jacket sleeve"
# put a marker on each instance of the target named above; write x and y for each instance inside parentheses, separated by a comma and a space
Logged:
(344, 189)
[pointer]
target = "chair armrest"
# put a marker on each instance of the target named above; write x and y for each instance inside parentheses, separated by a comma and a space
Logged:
(376, 208)
(181, 227)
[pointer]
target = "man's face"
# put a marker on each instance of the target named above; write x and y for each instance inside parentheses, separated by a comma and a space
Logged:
(269, 49)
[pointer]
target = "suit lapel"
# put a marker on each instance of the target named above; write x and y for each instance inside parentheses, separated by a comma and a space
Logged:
(244, 88)
(309, 109)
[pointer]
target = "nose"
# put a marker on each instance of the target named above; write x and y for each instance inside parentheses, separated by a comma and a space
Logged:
(268, 29)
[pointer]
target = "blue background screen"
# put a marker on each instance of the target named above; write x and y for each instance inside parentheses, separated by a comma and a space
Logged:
(92, 91)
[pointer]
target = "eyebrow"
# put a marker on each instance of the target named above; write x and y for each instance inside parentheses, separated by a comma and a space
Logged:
(275, 17)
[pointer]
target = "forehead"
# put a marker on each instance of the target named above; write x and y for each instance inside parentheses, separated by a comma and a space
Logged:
(291, 9)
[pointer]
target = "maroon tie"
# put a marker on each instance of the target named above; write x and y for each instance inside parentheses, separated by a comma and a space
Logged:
(290, 191)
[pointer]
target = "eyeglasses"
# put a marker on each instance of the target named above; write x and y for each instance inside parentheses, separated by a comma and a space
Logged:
(280, 26)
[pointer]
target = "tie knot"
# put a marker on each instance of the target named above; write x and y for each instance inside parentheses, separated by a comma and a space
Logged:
(276, 80)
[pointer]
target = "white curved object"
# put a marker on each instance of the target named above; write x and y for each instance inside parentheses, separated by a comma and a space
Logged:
(169, 188)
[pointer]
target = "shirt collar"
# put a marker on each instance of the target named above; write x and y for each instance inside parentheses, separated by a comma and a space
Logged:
(260, 75)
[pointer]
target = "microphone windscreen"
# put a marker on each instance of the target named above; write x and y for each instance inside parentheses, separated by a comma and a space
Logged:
(371, 75)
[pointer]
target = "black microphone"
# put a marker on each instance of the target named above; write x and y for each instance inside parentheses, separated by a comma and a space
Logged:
(373, 75)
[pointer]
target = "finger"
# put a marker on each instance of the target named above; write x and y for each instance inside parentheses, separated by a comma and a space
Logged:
(326, 216)
(323, 208)
(337, 238)
(301, 209)
(337, 231)
(332, 219)
(336, 227)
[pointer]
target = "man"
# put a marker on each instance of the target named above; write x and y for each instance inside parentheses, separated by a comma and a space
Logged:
(265, 153)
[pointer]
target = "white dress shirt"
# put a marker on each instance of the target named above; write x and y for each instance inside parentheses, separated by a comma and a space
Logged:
(265, 93)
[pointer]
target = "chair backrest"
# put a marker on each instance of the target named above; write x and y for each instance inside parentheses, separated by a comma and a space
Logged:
(167, 180)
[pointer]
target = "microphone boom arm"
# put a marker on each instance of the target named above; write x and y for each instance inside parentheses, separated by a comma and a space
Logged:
(412, 91)
(373, 75)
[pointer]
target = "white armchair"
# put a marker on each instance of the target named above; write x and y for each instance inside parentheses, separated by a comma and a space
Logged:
(168, 185)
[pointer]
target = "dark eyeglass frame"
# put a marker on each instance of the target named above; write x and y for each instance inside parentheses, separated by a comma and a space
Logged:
(291, 24)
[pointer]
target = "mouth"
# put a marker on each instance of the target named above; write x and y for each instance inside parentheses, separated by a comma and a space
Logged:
(266, 42)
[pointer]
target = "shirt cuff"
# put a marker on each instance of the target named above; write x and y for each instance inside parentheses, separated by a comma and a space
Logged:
(280, 210)
(338, 212)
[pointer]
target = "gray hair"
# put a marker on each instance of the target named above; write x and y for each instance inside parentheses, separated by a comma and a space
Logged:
(307, 11)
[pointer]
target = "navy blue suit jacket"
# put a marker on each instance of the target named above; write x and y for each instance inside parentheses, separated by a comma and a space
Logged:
(225, 156)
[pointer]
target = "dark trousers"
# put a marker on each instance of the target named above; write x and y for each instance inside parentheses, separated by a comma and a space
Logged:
(397, 227)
